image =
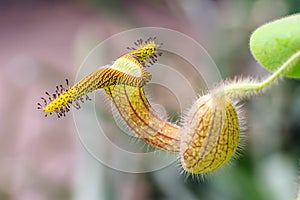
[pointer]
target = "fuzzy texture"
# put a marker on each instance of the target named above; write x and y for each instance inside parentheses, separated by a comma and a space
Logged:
(210, 134)
(244, 88)
(240, 88)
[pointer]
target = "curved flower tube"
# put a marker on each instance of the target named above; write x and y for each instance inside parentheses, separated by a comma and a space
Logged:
(210, 133)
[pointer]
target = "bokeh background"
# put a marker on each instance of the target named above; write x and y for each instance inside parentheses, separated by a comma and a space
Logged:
(44, 41)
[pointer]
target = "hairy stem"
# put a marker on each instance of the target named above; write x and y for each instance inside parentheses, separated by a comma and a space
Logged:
(244, 89)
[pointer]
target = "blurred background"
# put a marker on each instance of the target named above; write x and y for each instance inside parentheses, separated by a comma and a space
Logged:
(44, 41)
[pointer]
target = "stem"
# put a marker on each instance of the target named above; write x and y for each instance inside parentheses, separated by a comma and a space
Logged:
(243, 89)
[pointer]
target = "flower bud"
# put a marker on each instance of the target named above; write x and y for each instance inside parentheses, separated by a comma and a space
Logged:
(210, 134)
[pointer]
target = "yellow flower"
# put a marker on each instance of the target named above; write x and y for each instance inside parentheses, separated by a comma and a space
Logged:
(210, 133)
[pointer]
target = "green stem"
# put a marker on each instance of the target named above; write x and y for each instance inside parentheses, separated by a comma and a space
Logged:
(243, 89)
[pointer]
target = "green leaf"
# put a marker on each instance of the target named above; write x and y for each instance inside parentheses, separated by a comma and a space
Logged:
(275, 42)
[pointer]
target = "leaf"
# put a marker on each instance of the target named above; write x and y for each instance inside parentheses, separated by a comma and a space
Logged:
(273, 43)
